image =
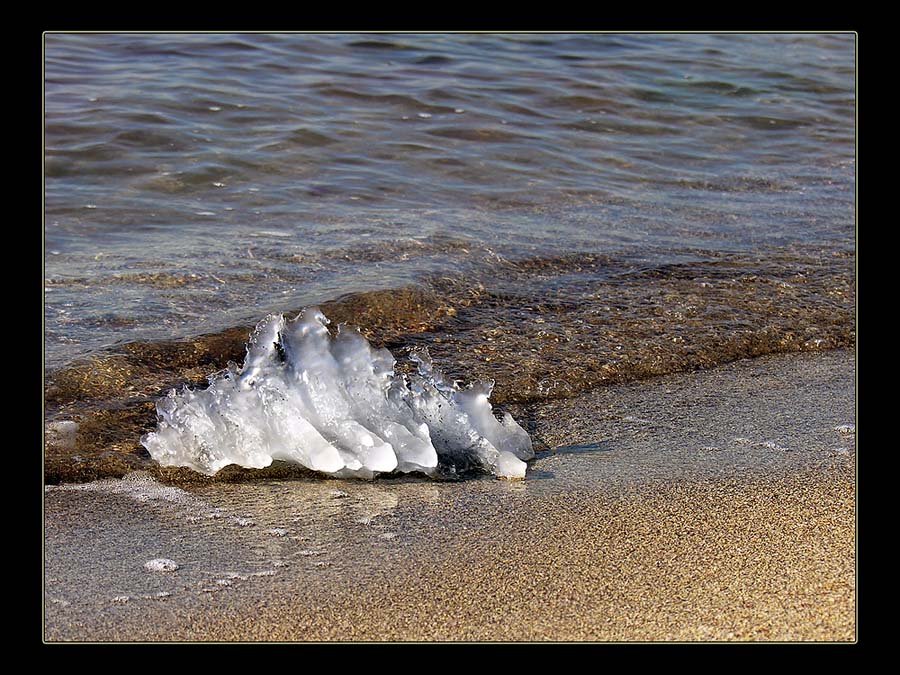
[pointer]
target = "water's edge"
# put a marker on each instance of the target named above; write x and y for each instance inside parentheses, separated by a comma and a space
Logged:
(541, 329)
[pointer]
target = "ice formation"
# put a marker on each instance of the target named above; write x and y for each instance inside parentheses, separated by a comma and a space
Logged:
(336, 406)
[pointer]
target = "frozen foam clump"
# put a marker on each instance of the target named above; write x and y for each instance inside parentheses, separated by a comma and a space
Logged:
(336, 406)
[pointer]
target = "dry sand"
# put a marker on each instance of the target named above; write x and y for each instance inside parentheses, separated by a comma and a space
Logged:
(713, 506)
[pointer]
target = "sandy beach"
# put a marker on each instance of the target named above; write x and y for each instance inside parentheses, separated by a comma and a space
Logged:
(713, 506)
(640, 246)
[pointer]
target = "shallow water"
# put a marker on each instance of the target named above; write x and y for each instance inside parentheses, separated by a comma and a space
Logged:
(198, 181)
(553, 212)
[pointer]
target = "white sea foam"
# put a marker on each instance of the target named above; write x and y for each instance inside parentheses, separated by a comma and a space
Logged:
(62, 434)
(139, 486)
(336, 406)
(161, 565)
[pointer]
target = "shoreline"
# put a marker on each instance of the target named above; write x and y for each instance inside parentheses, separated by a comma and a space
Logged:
(707, 506)
(540, 329)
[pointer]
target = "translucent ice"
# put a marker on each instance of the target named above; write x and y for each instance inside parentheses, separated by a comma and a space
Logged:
(334, 405)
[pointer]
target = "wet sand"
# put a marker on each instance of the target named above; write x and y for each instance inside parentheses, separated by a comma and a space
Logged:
(717, 505)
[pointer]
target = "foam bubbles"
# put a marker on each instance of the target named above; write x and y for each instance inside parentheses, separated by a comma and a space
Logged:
(139, 486)
(62, 434)
(334, 405)
(161, 565)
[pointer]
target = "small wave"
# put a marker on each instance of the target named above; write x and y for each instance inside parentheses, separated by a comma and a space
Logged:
(334, 405)
(479, 135)
(378, 44)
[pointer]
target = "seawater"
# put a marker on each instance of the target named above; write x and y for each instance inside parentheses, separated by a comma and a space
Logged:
(549, 211)
(198, 180)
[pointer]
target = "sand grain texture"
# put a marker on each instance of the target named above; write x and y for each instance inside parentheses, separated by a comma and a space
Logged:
(710, 507)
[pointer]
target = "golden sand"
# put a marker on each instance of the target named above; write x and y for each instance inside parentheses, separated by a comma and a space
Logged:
(714, 507)
(770, 560)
